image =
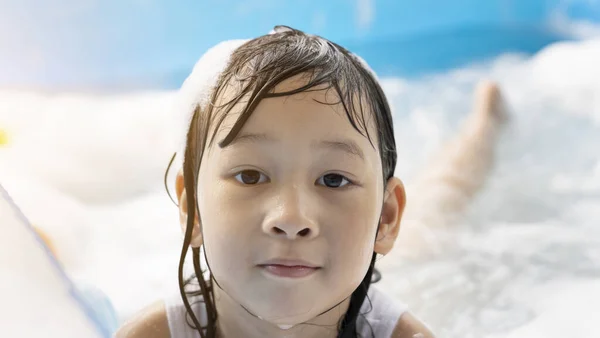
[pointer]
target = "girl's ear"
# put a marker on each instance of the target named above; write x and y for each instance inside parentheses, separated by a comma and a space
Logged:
(391, 214)
(183, 211)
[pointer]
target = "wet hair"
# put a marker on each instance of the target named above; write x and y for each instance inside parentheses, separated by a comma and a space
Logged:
(254, 69)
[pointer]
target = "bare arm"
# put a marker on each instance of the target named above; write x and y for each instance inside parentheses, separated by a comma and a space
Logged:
(410, 327)
(149, 323)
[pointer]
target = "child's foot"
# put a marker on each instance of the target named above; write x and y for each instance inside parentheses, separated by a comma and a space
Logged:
(489, 103)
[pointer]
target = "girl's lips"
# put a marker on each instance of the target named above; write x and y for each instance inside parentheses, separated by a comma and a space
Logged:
(289, 268)
(295, 271)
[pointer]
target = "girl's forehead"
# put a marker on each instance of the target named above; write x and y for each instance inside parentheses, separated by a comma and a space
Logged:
(318, 102)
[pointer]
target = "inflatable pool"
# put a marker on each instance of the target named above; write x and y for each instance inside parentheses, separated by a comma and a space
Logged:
(154, 44)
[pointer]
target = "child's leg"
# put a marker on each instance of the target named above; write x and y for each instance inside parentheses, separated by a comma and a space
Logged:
(443, 190)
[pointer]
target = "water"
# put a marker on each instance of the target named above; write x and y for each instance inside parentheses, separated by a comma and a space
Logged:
(525, 260)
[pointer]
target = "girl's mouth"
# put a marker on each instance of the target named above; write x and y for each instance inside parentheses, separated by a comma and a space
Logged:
(289, 268)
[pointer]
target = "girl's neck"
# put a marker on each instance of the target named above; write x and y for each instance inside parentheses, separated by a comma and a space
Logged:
(234, 321)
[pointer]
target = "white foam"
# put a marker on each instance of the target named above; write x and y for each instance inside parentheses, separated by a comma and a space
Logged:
(96, 148)
(535, 221)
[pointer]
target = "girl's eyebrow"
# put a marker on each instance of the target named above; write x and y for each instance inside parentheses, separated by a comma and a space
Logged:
(345, 145)
(249, 138)
(348, 146)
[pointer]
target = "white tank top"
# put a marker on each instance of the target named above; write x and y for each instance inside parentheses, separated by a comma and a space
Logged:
(378, 319)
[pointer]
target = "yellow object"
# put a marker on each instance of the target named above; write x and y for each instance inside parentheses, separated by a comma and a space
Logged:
(3, 137)
(46, 239)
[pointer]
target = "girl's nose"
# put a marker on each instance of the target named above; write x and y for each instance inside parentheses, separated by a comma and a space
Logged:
(292, 216)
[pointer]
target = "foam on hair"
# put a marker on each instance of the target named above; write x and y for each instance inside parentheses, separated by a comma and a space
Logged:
(199, 85)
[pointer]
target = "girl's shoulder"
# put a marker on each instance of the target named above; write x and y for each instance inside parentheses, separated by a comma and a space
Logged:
(409, 326)
(379, 314)
(151, 322)
(384, 316)
(167, 318)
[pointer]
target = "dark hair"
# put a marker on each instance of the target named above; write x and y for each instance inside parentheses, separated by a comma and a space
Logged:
(258, 66)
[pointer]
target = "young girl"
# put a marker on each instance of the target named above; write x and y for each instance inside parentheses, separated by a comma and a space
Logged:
(287, 186)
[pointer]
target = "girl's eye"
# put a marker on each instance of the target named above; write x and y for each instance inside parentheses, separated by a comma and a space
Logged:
(251, 177)
(333, 181)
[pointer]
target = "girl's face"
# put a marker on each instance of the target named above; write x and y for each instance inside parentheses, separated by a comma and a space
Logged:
(289, 210)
